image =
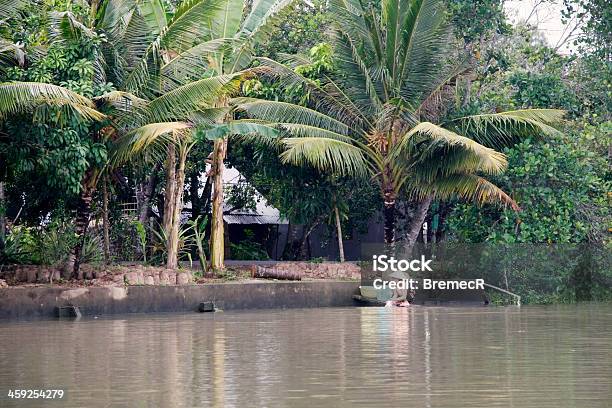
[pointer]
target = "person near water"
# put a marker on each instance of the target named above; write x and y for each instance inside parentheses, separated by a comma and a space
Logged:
(400, 296)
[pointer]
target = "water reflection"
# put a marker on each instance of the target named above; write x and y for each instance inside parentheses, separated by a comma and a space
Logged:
(357, 357)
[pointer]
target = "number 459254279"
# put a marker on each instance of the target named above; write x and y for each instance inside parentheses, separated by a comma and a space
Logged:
(35, 394)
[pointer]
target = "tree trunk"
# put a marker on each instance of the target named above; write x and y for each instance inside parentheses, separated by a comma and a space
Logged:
(2, 215)
(289, 252)
(273, 273)
(339, 233)
(178, 207)
(444, 210)
(417, 222)
(304, 253)
(205, 198)
(81, 222)
(217, 247)
(389, 221)
(144, 195)
(169, 204)
(105, 225)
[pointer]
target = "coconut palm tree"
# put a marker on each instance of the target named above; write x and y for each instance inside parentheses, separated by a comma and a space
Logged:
(185, 77)
(221, 51)
(382, 114)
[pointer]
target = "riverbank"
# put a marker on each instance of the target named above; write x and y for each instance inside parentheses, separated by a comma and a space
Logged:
(43, 301)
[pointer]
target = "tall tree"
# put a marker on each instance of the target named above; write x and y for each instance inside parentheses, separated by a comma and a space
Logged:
(382, 115)
(214, 43)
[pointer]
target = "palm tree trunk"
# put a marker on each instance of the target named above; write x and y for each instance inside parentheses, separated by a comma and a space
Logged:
(178, 207)
(81, 222)
(169, 204)
(105, 225)
(216, 234)
(339, 233)
(417, 222)
(389, 221)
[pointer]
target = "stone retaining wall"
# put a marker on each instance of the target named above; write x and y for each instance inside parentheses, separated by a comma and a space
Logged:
(149, 275)
(40, 302)
(118, 275)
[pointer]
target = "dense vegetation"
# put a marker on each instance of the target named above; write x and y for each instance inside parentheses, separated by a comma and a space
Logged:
(117, 113)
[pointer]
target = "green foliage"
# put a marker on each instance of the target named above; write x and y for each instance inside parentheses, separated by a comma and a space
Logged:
(594, 38)
(198, 227)
(300, 27)
(56, 242)
(542, 90)
(93, 252)
(159, 249)
(476, 19)
(48, 245)
(19, 247)
(141, 233)
(559, 187)
(248, 249)
(55, 145)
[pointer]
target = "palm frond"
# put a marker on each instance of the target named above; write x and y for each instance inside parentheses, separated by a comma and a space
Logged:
(192, 63)
(114, 13)
(422, 52)
(192, 20)
(184, 100)
(154, 14)
(11, 54)
(151, 138)
(466, 186)
(488, 160)
(240, 129)
(301, 130)
(9, 8)
(505, 128)
(257, 26)
(327, 155)
(120, 98)
(274, 111)
(328, 99)
(226, 21)
(210, 115)
(17, 97)
(64, 25)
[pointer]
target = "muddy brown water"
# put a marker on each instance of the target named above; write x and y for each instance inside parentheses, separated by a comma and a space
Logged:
(535, 356)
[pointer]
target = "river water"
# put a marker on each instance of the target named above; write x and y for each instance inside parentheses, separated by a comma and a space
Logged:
(554, 356)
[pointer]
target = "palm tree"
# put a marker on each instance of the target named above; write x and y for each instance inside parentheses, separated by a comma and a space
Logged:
(382, 114)
(220, 51)
(185, 78)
